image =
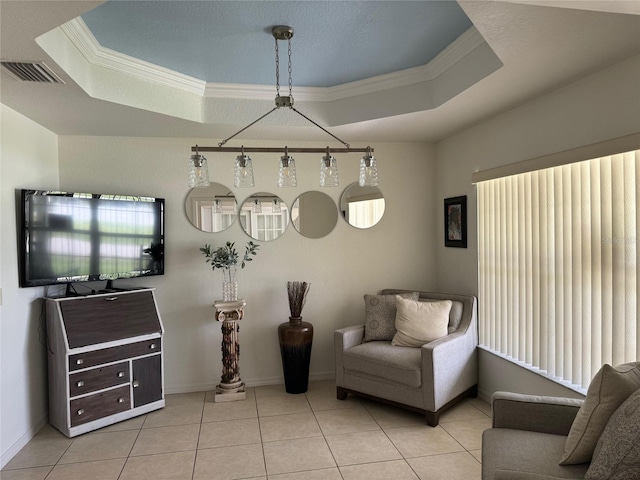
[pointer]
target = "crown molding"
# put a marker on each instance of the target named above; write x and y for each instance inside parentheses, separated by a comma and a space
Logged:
(80, 35)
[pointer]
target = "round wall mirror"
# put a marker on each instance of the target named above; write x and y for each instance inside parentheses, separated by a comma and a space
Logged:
(264, 216)
(362, 207)
(314, 214)
(211, 209)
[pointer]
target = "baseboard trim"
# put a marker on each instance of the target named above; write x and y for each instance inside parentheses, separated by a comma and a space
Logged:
(249, 382)
(13, 450)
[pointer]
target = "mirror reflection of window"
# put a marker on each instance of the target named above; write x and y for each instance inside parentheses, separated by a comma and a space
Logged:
(211, 209)
(362, 207)
(267, 222)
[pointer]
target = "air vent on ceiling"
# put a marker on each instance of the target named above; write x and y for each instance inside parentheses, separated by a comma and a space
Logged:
(31, 72)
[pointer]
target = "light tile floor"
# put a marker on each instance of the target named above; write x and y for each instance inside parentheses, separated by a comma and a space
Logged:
(270, 435)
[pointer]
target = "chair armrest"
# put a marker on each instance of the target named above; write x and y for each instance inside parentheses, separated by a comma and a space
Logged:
(348, 337)
(342, 340)
(449, 367)
(534, 413)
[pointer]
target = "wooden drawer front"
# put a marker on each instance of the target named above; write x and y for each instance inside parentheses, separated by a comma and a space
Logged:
(98, 378)
(113, 354)
(105, 318)
(93, 407)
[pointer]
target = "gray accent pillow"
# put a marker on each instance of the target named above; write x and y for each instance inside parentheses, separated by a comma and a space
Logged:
(610, 387)
(380, 320)
(617, 454)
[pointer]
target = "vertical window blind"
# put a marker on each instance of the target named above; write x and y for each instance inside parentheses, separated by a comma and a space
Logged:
(558, 277)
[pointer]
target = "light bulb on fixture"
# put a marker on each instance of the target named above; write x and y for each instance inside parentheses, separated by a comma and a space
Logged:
(368, 170)
(243, 171)
(257, 206)
(198, 171)
(287, 170)
(276, 208)
(328, 170)
(217, 206)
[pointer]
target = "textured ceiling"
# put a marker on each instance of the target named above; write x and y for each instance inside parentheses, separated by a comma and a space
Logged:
(334, 42)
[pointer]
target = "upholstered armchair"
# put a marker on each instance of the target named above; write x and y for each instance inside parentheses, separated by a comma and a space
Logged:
(427, 379)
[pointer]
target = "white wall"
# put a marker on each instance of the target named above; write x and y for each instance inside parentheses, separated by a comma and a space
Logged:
(342, 267)
(28, 159)
(600, 107)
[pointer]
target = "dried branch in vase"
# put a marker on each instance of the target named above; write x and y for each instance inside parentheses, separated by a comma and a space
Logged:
(297, 296)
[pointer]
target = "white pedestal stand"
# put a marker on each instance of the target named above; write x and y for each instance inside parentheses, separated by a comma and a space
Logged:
(231, 387)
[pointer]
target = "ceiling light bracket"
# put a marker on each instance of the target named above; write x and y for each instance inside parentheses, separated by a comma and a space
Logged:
(284, 101)
(282, 32)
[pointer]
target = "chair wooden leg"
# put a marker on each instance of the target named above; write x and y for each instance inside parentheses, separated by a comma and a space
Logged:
(433, 418)
(341, 393)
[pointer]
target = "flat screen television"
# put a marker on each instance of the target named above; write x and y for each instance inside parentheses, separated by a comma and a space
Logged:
(81, 237)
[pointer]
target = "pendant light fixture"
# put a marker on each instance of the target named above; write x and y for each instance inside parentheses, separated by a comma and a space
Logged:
(287, 170)
(198, 171)
(328, 170)
(368, 170)
(243, 171)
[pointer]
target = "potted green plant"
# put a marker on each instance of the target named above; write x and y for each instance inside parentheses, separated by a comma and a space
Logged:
(226, 258)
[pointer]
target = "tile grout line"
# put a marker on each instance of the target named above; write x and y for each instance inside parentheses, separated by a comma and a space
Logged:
(324, 437)
(391, 441)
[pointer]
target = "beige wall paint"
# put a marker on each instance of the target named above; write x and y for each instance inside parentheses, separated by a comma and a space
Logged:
(28, 159)
(597, 108)
(341, 267)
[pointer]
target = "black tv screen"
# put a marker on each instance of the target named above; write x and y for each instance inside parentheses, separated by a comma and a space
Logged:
(78, 237)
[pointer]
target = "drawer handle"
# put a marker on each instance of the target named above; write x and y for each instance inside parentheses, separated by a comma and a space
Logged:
(80, 384)
(121, 400)
(81, 411)
(152, 346)
(120, 374)
(79, 361)
(136, 384)
(111, 299)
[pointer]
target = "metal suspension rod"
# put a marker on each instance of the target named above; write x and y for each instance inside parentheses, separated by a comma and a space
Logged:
(320, 127)
(252, 123)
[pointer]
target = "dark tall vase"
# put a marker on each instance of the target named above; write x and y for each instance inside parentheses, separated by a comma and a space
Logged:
(296, 338)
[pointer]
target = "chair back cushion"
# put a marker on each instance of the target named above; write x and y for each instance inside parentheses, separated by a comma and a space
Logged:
(419, 322)
(380, 319)
(617, 454)
(610, 387)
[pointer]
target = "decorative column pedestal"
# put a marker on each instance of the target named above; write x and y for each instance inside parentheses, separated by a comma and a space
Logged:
(231, 387)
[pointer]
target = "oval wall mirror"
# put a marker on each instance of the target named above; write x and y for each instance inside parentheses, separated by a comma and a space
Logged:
(264, 216)
(211, 209)
(362, 207)
(314, 214)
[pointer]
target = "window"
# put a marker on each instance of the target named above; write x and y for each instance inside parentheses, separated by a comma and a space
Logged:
(558, 278)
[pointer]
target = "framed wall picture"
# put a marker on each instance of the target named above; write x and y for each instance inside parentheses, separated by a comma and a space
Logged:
(455, 222)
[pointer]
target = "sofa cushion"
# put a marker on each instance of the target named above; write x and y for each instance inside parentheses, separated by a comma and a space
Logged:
(528, 452)
(418, 322)
(382, 360)
(380, 316)
(617, 454)
(455, 316)
(610, 387)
